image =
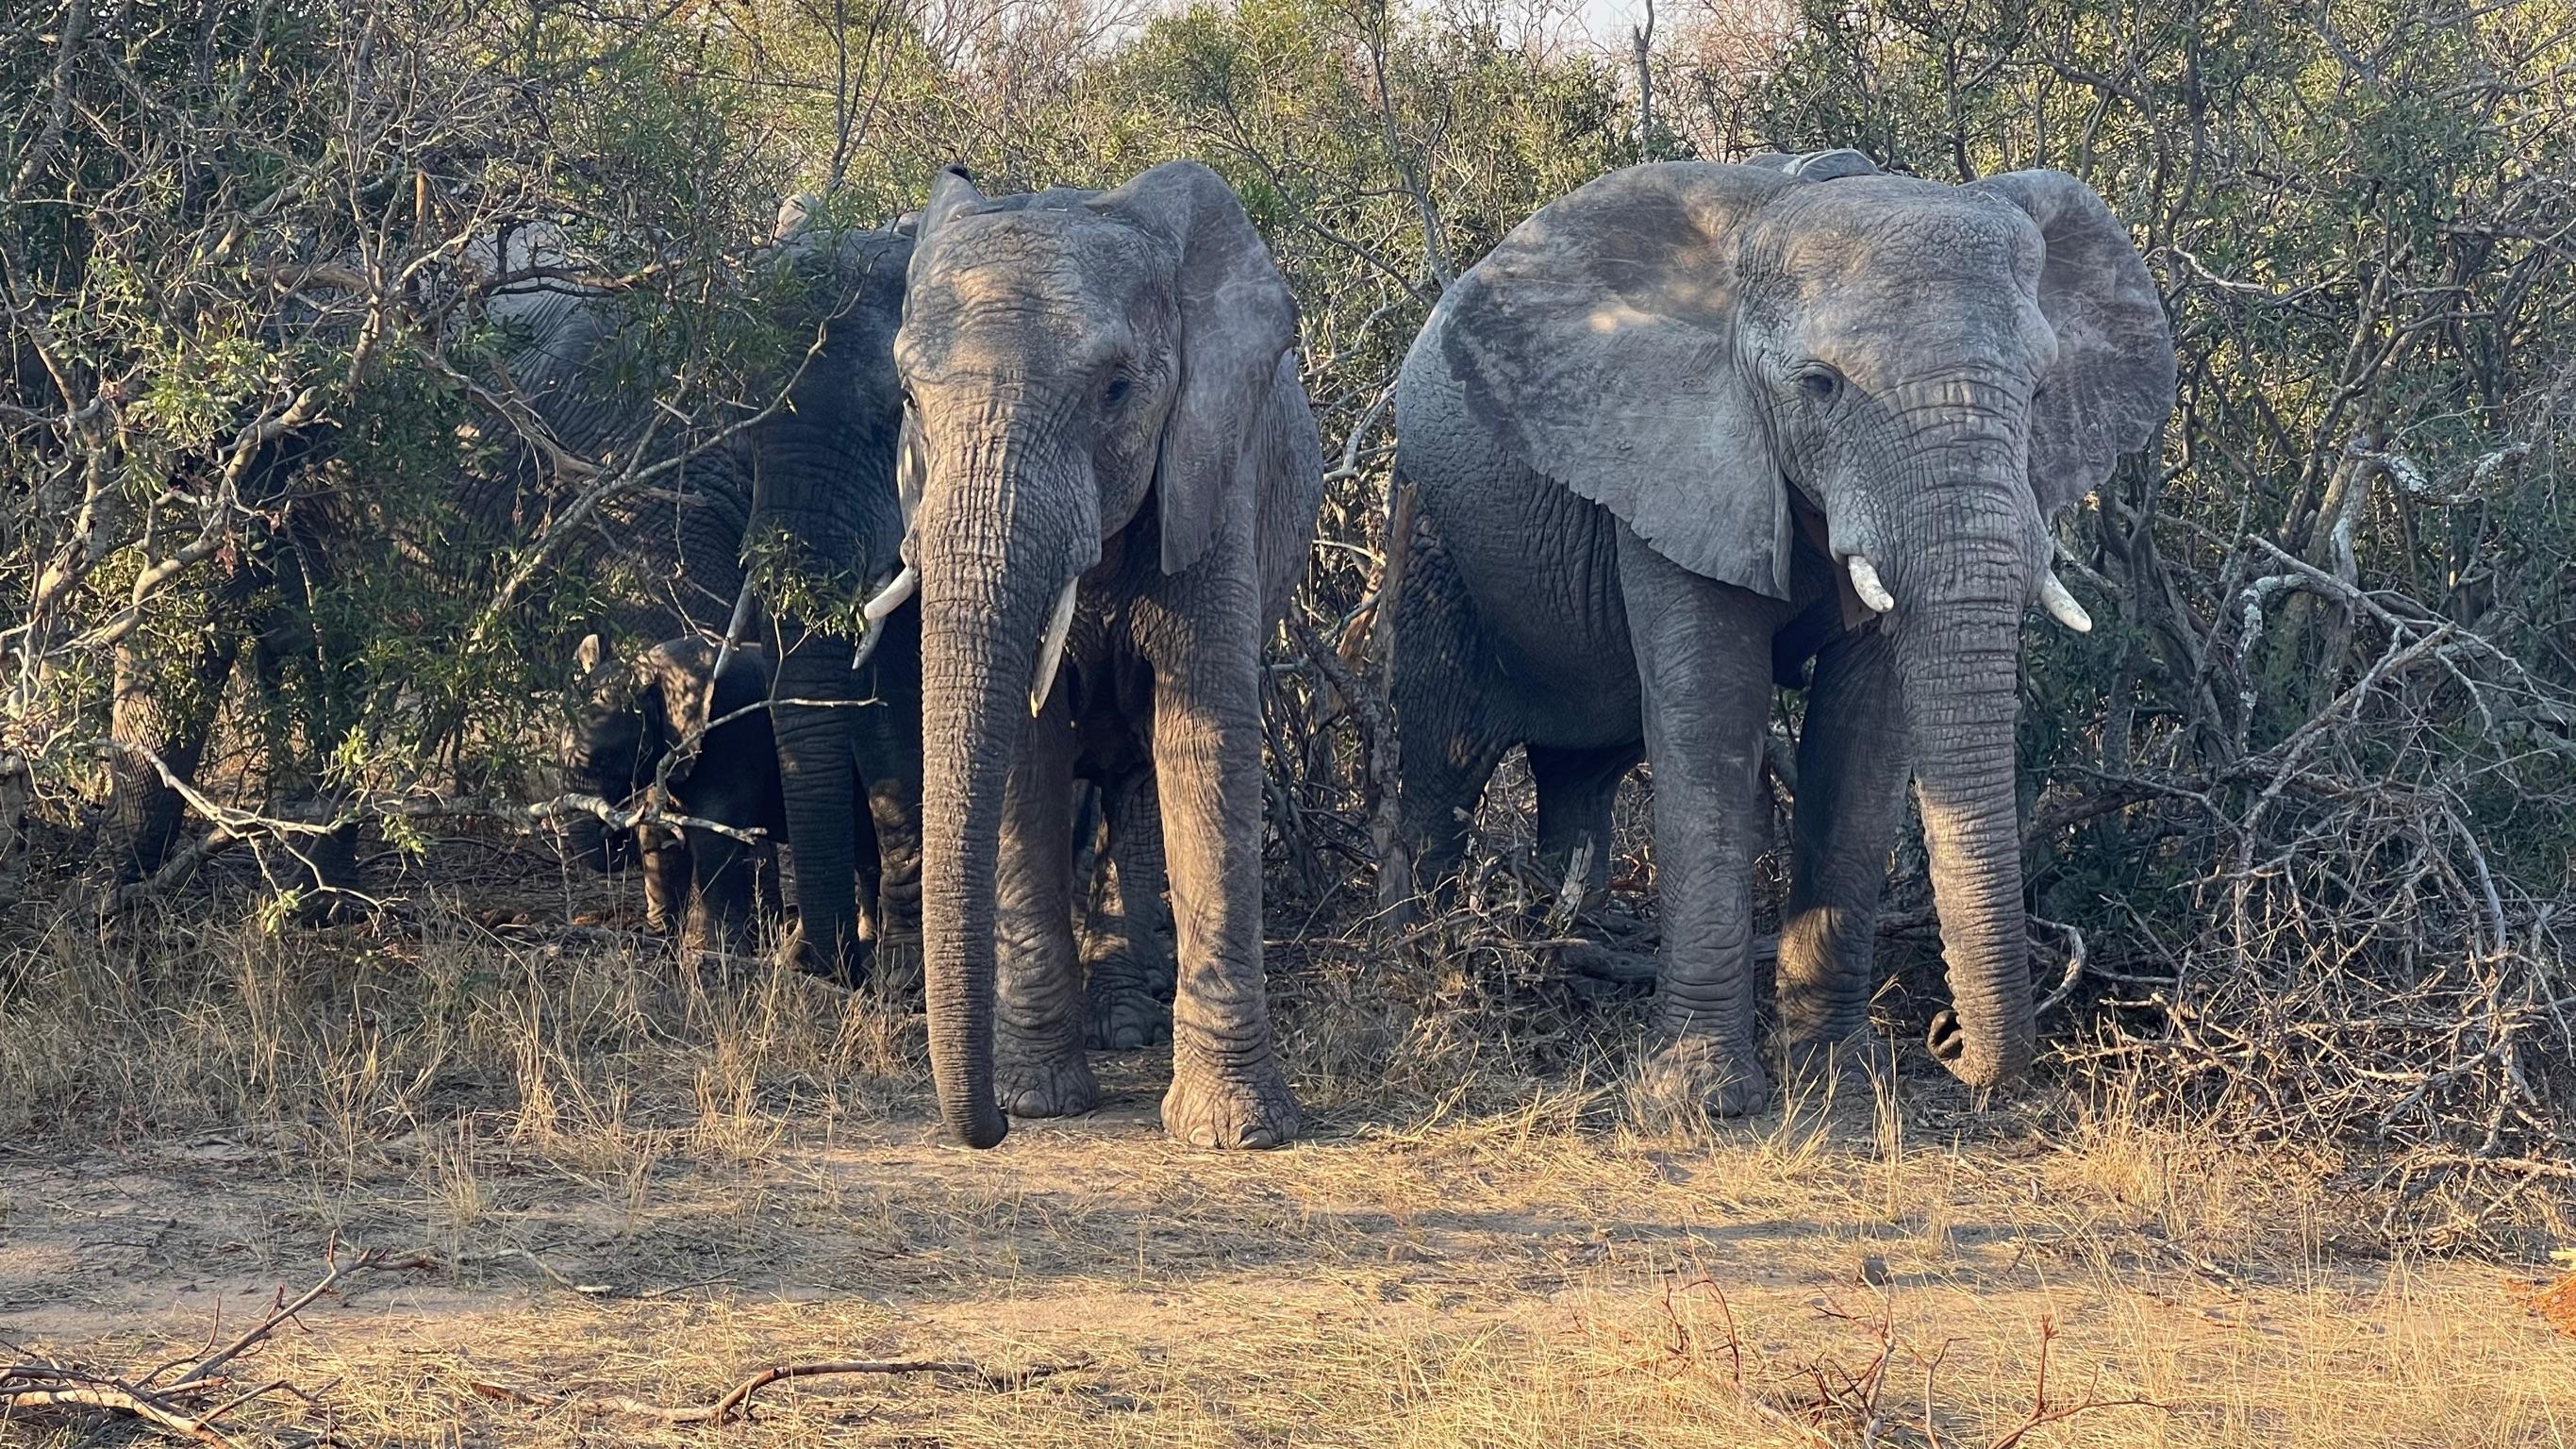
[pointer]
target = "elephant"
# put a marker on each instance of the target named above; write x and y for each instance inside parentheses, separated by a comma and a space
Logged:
(708, 887)
(1112, 478)
(808, 490)
(1695, 431)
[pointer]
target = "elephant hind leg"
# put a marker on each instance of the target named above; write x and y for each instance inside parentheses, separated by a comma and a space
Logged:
(1450, 733)
(1129, 970)
(1575, 791)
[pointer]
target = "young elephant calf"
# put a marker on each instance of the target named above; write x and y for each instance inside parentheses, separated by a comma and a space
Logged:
(710, 886)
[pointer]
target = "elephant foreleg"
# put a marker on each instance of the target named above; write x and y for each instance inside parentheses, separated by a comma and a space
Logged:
(889, 762)
(1704, 658)
(1852, 757)
(1038, 1065)
(1227, 1088)
(723, 873)
(665, 858)
(1128, 971)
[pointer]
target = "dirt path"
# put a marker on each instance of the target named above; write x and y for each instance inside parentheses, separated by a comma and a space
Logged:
(1500, 1281)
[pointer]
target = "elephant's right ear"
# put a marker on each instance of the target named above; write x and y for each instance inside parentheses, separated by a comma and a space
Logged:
(1598, 341)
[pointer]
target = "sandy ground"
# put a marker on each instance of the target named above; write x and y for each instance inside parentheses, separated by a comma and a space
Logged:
(1869, 1277)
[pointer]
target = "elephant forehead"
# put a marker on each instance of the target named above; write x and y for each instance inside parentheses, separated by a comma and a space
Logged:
(1034, 290)
(1893, 236)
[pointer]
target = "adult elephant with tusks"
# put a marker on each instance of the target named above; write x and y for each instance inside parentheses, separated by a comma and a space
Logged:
(1696, 427)
(1112, 477)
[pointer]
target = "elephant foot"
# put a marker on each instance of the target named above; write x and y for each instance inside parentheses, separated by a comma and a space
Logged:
(1250, 1109)
(897, 967)
(1055, 1086)
(1837, 1063)
(1700, 1071)
(1125, 1015)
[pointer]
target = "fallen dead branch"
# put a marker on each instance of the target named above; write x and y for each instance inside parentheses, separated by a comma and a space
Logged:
(1841, 1396)
(735, 1405)
(190, 1406)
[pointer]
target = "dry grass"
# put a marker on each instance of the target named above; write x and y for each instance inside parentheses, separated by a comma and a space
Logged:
(644, 1180)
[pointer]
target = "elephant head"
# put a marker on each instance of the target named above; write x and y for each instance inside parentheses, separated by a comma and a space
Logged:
(1915, 375)
(1084, 369)
(632, 715)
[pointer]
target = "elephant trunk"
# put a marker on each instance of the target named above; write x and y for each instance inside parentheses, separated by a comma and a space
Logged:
(991, 543)
(817, 785)
(608, 752)
(1959, 594)
(1962, 691)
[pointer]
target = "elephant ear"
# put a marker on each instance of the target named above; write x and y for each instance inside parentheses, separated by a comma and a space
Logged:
(1597, 342)
(2114, 379)
(1236, 320)
(674, 691)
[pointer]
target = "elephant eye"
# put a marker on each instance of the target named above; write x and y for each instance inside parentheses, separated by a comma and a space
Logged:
(1115, 392)
(1819, 382)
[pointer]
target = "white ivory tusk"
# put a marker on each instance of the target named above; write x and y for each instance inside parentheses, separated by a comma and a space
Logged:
(732, 639)
(1864, 580)
(891, 597)
(2061, 605)
(1051, 653)
(874, 611)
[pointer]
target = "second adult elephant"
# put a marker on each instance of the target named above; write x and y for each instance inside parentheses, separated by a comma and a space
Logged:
(1118, 477)
(808, 496)
(1694, 426)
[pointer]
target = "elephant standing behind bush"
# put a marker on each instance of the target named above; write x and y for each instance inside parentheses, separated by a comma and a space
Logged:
(810, 486)
(1694, 426)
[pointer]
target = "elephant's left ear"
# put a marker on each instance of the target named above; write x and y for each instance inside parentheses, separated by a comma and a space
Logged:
(673, 682)
(1237, 319)
(2114, 379)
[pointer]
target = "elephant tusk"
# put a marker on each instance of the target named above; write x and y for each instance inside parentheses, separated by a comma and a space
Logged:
(1865, 582)
(2061, 605)
(732, 638)
(1051, 653)
(874, 611)
(891, 597)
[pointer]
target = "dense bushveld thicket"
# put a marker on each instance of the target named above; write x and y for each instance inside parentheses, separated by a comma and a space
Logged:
(2303, 808)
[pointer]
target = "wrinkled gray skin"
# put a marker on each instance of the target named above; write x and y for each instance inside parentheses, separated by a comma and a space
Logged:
(708, 887)
(1647, 433)
(1105, 388)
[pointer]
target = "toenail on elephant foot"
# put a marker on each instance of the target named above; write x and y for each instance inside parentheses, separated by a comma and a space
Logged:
(1060, 1086)
(1125, 1017)
(1247, 1110)
(1723, 1081)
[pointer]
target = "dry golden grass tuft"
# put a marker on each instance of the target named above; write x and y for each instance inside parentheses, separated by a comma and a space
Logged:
(612, 1174)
